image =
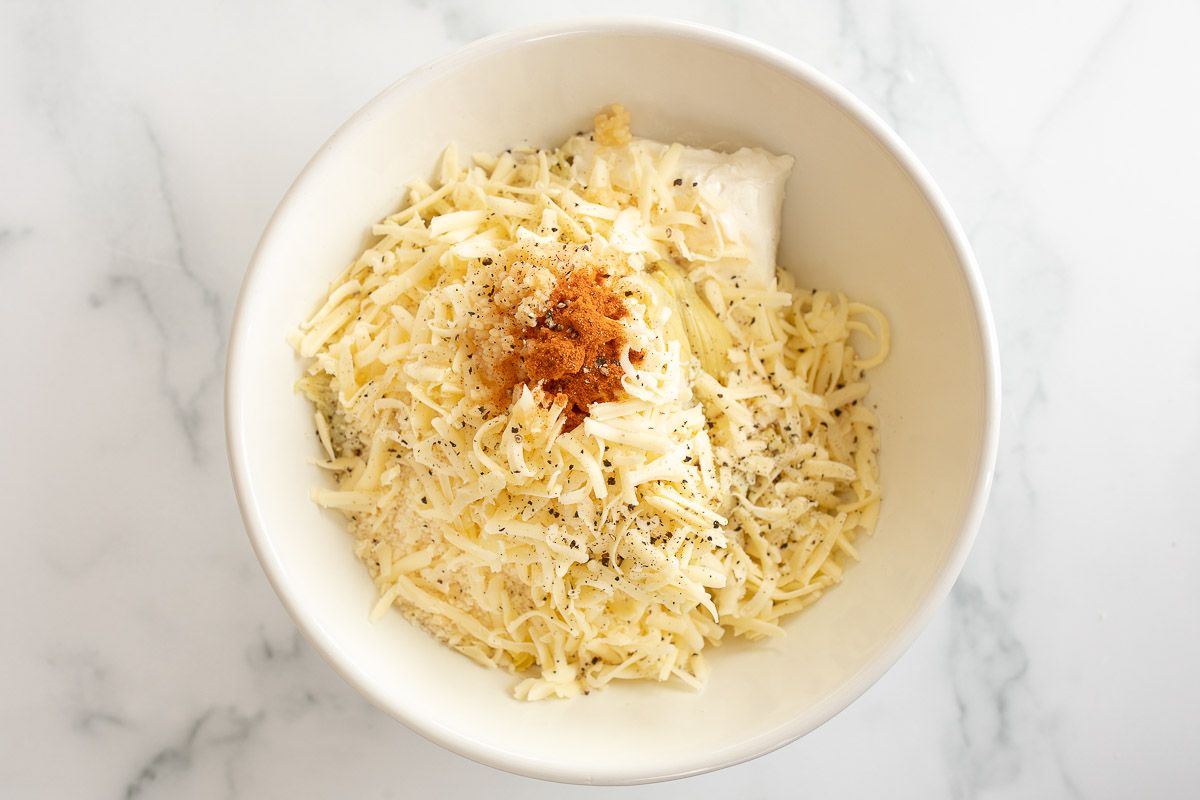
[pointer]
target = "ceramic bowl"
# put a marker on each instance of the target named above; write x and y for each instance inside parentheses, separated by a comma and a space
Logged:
(861, 216)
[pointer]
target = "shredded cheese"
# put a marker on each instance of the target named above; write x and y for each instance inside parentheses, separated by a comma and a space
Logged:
(723, 492)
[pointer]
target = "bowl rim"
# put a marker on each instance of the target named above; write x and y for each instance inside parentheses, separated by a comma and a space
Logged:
(857, 684)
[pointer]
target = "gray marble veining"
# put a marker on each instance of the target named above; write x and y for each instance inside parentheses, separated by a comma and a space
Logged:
(146, 145)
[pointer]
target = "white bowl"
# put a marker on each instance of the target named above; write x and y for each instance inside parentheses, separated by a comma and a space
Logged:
(861, 216)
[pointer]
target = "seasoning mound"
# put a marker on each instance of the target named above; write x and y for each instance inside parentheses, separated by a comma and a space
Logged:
(574, 352)
(556, 329)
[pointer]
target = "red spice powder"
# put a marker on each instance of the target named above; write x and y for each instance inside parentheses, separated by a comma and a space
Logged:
(575, 350)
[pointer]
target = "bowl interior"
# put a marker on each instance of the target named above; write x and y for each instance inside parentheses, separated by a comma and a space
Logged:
(855, 220)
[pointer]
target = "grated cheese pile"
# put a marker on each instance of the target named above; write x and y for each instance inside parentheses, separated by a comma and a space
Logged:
(723, 491)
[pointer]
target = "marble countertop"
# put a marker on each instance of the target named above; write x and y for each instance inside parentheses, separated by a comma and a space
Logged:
(147, 143)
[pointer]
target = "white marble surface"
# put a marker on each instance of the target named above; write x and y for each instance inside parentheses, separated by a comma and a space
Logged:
(145, 145)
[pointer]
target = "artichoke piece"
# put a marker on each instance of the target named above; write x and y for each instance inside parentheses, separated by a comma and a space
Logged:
(693, 323)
